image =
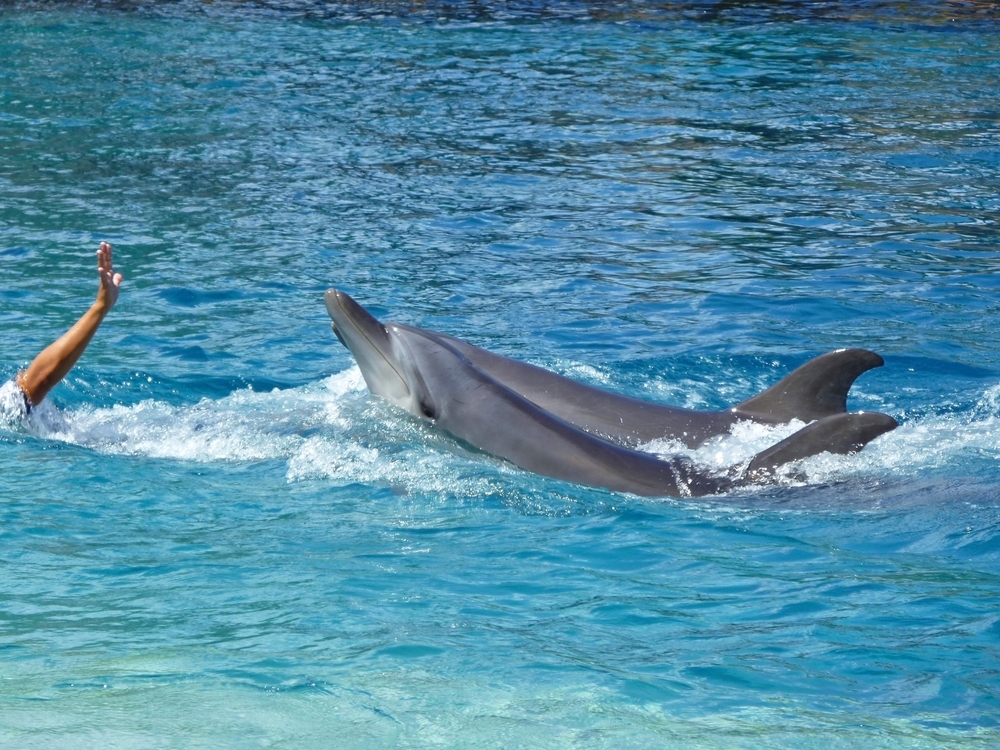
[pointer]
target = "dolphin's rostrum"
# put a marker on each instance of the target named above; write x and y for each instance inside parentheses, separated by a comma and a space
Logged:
(560, 428)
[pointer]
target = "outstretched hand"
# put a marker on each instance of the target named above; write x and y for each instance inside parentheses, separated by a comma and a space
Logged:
(111, 282)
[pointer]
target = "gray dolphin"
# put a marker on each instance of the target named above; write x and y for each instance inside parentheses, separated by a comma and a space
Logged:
(556, 427)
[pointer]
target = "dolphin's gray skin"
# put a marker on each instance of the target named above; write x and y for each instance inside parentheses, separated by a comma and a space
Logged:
(556, 427)
(815, 390)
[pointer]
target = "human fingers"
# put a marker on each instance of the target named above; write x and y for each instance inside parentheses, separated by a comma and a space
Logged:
(104, 262)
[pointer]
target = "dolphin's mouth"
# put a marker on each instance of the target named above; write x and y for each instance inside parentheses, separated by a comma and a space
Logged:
(340, 338)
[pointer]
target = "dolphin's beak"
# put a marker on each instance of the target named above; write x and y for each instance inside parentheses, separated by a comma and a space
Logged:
(370, 344)
(345, 312)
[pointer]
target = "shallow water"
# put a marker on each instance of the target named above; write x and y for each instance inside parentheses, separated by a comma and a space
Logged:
(223, 540)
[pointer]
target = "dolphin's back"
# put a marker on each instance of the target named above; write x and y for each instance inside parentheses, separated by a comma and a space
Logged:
(621, 419)
(815, 390)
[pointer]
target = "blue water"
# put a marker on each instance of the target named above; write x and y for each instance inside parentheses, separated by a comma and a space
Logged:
(224, 541)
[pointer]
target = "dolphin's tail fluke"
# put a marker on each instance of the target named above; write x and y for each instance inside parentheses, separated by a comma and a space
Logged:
(839, 433)
(815, 390)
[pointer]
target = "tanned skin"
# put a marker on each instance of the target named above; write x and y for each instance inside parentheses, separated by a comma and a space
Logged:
(58, 358)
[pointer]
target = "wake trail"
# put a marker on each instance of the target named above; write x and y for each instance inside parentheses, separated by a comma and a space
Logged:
(334, 430)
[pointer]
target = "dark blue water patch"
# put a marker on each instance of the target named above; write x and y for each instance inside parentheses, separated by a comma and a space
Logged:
(186, 353)
(942, 219)
(654, 690)
(261, 384)
(129, 571)
(86, 386)
(936, 237)
(937, 368)
(409, 651)
(727, 678)
(918, 161)
(16, 294)
(989, 158)
(17, 252)
(186, 297)
(221, 84)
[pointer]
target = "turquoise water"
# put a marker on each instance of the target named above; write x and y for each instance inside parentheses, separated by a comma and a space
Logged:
(224, 541)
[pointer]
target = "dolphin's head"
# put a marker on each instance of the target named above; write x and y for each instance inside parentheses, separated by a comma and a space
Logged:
(373, 346)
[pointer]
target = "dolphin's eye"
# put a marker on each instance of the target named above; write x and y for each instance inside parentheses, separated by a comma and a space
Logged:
(428, 411)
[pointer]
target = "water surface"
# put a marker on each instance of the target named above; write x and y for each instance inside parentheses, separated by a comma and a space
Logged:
(224, 540)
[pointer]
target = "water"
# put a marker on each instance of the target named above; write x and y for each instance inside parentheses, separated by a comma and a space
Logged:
(223, 540)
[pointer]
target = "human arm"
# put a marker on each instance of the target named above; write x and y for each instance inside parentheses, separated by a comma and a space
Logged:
(58, 358)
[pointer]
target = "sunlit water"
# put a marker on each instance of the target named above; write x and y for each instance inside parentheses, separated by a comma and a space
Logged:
(220, 539)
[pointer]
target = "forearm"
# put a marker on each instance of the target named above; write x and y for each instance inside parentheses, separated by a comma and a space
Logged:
(57, 359)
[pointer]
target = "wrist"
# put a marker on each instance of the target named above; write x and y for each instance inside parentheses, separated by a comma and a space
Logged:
(101, 307)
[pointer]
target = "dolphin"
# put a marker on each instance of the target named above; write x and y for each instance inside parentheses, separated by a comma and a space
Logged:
(556, 427)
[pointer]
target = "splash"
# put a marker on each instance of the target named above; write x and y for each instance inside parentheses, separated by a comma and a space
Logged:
(244, 426)
(929, 442)
(333, 430)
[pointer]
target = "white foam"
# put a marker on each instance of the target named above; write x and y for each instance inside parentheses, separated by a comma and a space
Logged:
(588, 373)
(244, 426)
(925, 443)
(334, 430)
(731, 449)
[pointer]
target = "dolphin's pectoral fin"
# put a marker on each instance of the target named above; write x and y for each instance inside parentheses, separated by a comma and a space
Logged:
(815, 390)
(839, 433)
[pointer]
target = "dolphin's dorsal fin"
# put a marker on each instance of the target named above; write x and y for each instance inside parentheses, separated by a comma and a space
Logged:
(839, 433)
(815, 390)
